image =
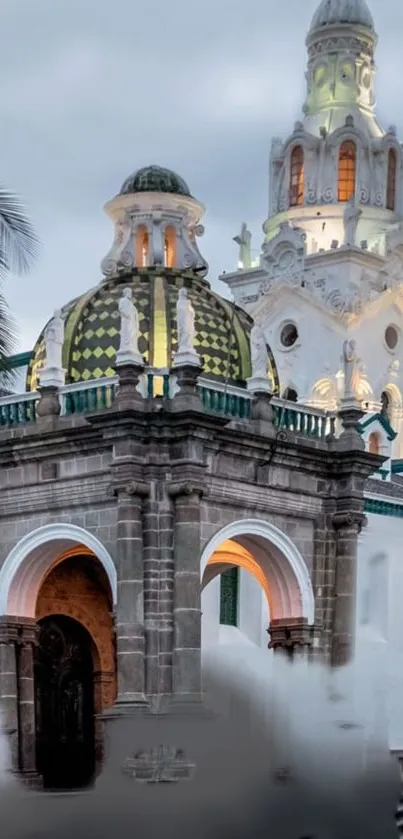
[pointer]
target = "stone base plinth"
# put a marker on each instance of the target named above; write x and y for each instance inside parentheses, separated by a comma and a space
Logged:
(52, 377)
(186, 359)
(258, 384)
(124, 357)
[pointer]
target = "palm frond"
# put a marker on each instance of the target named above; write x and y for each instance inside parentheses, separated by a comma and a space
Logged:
(19, 244)
(8, 335)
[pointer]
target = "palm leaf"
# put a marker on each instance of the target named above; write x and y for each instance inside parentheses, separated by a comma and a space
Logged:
(19, 247)
(19, 244)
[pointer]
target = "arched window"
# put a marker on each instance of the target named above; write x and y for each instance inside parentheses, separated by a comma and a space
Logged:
(385, 405)
(391, 181)
(347, 170)
(373, 443)
(297, 177)
(142, 247)
(229, 585)
(170, 247)
(290, 394)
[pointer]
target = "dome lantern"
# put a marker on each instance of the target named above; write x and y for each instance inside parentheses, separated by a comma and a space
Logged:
(157, 223)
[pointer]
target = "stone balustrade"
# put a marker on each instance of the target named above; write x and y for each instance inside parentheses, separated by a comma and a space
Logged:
(216, 397)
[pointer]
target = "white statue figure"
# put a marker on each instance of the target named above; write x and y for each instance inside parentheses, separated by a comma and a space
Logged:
(129, 324)
(54, 337)
(259, 355)
(185, 317)
(351, 370)
(351, 217)
(244, 242)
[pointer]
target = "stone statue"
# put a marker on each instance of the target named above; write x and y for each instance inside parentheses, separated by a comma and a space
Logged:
(185, 316)
(351, 371)
(244, 242)
(351, 217)
(259, 355)
(54, 337)
(129, 324)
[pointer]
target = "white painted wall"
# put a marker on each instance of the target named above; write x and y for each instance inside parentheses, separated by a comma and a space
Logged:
(253, 614)
(380, 621)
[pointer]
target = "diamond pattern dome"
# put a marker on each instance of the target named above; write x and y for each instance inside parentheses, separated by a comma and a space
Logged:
(92, 325)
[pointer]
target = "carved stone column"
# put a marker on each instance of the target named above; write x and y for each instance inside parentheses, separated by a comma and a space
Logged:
(9, 687)
(186, 670)
(26, 701)
(348, 526)
(291, 637)
(130, 645)
(158, 590)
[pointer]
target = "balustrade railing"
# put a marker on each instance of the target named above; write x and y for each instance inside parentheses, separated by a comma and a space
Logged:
(18, 409)
(230, 401)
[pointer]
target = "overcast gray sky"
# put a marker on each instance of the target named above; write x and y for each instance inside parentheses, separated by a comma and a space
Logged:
(91, 90)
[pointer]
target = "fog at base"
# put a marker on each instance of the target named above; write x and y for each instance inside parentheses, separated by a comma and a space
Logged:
(292, 751)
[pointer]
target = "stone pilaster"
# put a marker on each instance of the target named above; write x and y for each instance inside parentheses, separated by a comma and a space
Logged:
(348, 526)
(186, 661)
(291, 637)
(350, 413)
(130, 645)
(9, 687)
(262, 412)
(128, 397)
(26, 701)
(158, 590)
(187, 397)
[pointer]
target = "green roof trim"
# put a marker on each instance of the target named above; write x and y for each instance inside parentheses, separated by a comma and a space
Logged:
(397, 467)
(391, 433)
(383, 508)
(22, 359)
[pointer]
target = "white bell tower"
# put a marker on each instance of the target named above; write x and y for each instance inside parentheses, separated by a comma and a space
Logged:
(331, 264)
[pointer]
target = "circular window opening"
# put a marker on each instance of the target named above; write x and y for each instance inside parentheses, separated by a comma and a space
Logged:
(289, 335)
(391, 337)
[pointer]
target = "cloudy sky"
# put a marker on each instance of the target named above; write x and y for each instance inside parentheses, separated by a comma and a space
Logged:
(91, 90)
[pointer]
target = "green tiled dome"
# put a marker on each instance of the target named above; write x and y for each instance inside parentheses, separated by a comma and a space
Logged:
(155, 179)
(92, 324)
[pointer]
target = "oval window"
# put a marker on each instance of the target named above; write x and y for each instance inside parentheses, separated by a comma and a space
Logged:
(289, 335)
(391, 337)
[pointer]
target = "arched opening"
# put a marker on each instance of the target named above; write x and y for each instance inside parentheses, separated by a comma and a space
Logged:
(290, 394)
(374, 443)
(297, 177)
(271, 583)
(391, 181)
(170, 247)
(64, 700)
(347, 170)
(61, 577)
(142, 246)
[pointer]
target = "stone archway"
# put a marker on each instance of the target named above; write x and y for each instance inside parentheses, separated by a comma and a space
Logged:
(32, 557)
(56, 570)
(273, 559)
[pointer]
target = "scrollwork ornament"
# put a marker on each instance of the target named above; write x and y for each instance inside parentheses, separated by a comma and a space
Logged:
(199, 230)
(311, 195)
(126, 259)
(364, 195)
(328, 195)
(379, 199)
(348, 520)
(108, 267)
(282, 437)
